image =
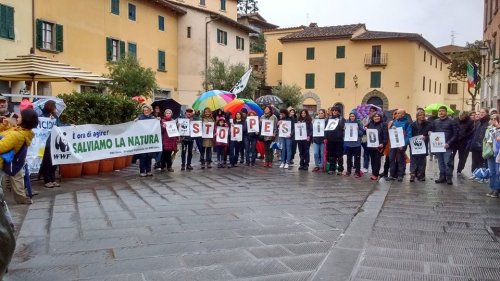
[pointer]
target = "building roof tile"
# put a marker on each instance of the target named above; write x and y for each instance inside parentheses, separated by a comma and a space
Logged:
(323, 33)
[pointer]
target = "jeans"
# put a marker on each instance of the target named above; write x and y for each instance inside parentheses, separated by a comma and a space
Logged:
(397, 158)
(376, 159)
(418, 164)
(205, 155)
(366, 156)
(235, 149)
(494, 180)
(250, 151)
(445, 163)
(354, 152)
(304, 148)
(145, 162)
(286, 150)
(319, 154)
(187, 148)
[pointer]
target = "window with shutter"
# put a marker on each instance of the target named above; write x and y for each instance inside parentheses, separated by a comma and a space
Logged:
(280, 58)
(310, 54)
(340, 52)
(131, 11)
(115, 7)
(161, 23)
(6, 22)
(132, 49)
(375, 79)
(309, 81)
(223, 5)
(221, 37)
(49, 36)
(161, 60)
(340, 80)
(59, 38)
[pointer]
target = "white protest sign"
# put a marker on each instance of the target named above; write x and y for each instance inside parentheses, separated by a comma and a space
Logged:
(236, 132)
(372, 138)
(300, 131)
(171, 128)
(184, 127)
(195, 129)
(222, 134)
(267, 128)
(319, 128)
(76, 144)
(252, 124)
(208, 130)
(397, 137)
(437, 141)
(417, 145)
(285, 129)
(351, 132)
(332, 124)
(37, 147)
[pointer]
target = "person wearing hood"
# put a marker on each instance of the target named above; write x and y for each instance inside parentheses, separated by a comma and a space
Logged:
(354, 148)
(418, 162)
(465, 130)
(397, 155)
(476, 142)
(335, 141)
(169, 143)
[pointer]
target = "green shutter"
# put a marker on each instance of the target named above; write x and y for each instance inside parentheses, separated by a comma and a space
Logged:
(9, 28)
(340, 80)
(115, 7)
(225, 38)
(280, 58)
(122, 49)
(218, 36)
(3, 21)
(309, 80)
(39, 35)
(242, 43)
(132, 50)
(340, 52)
(161, 23)
(59, 38)
(310, 53)
(375, 79)
(109, 49)
(161, 60)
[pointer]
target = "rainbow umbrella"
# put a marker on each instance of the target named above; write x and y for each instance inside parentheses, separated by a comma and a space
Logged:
(213, 99)
(238, 104)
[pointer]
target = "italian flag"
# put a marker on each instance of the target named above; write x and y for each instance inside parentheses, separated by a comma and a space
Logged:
(470, 76)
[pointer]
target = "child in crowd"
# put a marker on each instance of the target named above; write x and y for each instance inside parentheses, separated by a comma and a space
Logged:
(354, 148)
(220, 147)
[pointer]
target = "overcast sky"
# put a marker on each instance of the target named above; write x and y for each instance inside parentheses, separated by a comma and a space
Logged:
(433, 19)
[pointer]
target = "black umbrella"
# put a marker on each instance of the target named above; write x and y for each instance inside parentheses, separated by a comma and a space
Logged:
(168, 104)
(268, 100)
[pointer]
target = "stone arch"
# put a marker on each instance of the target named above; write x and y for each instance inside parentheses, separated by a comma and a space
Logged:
(315, 97)
(378, 94)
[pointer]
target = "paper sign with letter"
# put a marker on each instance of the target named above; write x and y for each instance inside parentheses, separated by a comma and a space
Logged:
(396, 137)
(437, 141)
(285, 129)
(253, 124)
(183, 127)
(236, 132)
(208, 130)
(332, 124)
(195, 129)
(372, 138)
(417, 145)
(171, 127)
(319, 128)
(222, 133)
(267, 128)
(300, 131)
(351, 132)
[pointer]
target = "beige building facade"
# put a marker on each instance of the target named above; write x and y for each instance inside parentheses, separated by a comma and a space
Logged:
(349, 65)
(490, 75)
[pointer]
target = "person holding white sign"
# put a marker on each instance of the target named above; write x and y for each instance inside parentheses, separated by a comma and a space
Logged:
(169, 138)
(352, 139)
(319, 141)
(450, 129)
(207, 138)
(268, 131)
(286, 135)
(145, 159)
(377, 137)
(250, 138)
(334, 132)
(418, 160)
(236, 143)
(304, 138)
(397, 154)
(187, 143)
(221, 141)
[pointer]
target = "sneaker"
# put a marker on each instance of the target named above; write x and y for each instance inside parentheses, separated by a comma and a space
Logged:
(364, 170)
(472, 177)
(286, 166)
(374, 178)
(489, 194)
(56, 184)
(183, 168)
(440, 180)
(282, 166)
(316, 169)
(495, 194)
(49, 185)
(400, 179)
(149, 174)
(143, 175)
(188, 167)
(209, 166)
(412, 178)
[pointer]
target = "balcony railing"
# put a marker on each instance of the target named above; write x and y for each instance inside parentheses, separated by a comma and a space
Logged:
(376, 59)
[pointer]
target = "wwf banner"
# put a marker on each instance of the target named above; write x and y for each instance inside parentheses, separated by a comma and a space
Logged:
(76, 144)
(417, 145)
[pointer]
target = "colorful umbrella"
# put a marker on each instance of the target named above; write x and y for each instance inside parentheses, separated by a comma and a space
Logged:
(238, 104)
(363, 110)
(213, 99)
(435, 107)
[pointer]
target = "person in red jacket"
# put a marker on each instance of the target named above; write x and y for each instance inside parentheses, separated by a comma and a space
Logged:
(169, 143)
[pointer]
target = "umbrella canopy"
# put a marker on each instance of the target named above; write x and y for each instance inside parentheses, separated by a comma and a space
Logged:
(269, 100)
(435, 107)
(363, 110)
(213, 99)
(39, 104)
(238, 104)
(168, 104)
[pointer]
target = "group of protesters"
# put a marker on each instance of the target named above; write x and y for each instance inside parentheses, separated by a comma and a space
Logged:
(469, 132)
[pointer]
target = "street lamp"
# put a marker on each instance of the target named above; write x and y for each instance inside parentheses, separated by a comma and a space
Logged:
(355, 79)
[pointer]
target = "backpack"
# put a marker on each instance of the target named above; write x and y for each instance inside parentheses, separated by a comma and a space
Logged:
(17, 163)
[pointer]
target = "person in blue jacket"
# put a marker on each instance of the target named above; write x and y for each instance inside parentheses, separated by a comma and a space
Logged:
(353, 148)
(397, 155)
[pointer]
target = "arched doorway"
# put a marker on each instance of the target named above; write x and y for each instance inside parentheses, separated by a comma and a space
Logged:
(312, 102)
(376, 98)
(376, 101)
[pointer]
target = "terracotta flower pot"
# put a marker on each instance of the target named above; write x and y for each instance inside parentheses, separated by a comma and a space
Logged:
(120, 163)
(71, 170)
(129, 160)
(90, 168)
(106, 165)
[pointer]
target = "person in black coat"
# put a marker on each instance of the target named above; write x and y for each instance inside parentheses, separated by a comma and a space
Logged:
(418, 163)
(476, 143)
(383, 137)
(465, 131)
(304, 145)
(335, 141)
(445, 160)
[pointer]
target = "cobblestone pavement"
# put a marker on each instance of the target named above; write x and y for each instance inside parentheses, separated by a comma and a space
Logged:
(253, 223)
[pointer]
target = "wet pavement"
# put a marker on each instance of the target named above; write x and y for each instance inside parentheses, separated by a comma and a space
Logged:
(259, 224)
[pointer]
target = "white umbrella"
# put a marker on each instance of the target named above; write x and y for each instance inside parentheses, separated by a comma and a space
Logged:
(39, 104)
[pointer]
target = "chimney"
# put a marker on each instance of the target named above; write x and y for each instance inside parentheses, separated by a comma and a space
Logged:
(313, 24)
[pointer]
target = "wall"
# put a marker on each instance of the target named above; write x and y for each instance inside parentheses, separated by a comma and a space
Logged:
(214, 6)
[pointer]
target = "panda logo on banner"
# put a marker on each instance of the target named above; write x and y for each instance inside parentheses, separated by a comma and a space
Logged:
(184, 127)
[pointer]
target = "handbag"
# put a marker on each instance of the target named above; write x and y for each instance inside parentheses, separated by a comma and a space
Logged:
(487, 149)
